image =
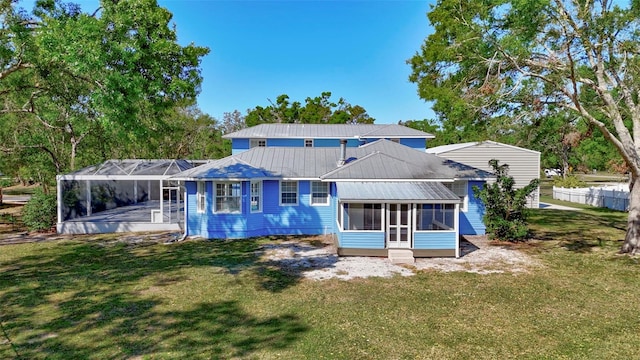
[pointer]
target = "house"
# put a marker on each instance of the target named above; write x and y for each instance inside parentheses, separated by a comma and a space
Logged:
(372, 187)
(524, 164)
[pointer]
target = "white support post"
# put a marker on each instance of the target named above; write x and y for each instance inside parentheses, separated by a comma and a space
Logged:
(161, 202)
(456, 225)
(88, 192)
(59, 195)
(135, 191)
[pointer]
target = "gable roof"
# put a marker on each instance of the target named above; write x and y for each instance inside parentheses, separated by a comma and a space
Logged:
(382, 160)
(229, 168)
(328, 131)
(453, 147)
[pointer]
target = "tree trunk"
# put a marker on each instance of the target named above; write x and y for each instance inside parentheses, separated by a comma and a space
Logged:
(632, 239)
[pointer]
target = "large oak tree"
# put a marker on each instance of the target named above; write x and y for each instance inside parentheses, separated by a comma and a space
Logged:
(493, 60)
(75, 85)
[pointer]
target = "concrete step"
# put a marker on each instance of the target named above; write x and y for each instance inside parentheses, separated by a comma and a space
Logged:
(401, 256)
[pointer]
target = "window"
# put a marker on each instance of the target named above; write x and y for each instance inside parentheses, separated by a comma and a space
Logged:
(362, 216)
(288, 193)
(256, 194)
(201, 201)
(319, 193)
(228, 197)
(257, 143)
(435, 216)
(460, 188)
(308, 142)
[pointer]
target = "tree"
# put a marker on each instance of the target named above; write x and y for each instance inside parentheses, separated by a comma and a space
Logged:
(523, 59)
(78, 85)
(317, 110)
(505, 206)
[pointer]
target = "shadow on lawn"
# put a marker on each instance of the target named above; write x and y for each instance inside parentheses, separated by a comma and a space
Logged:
(579, 231)
(86, 291)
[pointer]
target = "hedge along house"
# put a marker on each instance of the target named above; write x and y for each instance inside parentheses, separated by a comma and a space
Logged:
(375, 189)
(121, 195)
(524, 164)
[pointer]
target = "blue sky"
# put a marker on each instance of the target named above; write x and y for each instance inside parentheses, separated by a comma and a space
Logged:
(261, 49)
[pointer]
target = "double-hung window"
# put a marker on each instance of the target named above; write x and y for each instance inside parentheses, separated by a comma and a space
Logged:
(228, 196)
(288, 193)
(319, 193)
(308, 142)
(201, 201)
(256, 196)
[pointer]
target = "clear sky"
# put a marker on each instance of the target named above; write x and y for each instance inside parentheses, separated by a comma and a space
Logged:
(261, 49)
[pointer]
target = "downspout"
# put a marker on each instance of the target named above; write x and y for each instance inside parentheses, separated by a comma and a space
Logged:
(186, 209)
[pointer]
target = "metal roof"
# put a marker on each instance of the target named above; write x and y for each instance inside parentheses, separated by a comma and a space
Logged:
(382, 160)
(453, 147)
(327, 131)
(133, 168)
(397, 191)
(227, 168)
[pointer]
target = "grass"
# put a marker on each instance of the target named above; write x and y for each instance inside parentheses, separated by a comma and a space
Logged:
(96, 297)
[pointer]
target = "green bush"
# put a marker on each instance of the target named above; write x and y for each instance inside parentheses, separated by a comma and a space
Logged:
(39, 213)
(571, 181)
(505, 207)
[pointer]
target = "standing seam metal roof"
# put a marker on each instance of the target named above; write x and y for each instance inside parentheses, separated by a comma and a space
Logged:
(381, 160)
(333, 131)
(376, 191)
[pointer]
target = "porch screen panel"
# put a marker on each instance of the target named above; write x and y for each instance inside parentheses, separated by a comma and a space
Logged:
(435, 216)
(362, 216)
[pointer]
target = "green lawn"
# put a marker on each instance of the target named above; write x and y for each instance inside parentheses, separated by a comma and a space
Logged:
(98, 298)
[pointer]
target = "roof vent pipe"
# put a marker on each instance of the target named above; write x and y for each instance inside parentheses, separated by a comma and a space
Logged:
(343, 152)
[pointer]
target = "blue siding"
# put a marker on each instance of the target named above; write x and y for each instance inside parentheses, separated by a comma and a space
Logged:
(286, 142)
(471, 220)
(301, 219)
(239, 145)
(434, 240)
(362, 240)
(335, 143)
(418, 144)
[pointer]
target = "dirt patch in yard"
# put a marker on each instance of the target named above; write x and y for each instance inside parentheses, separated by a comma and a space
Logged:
(322, 263)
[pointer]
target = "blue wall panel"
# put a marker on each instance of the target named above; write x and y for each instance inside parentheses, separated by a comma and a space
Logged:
(239, 145)
(471, 220)
(434, 240)
(335, 142)
(362, 240)
(285, 142)
(418, 144)
(301, 219)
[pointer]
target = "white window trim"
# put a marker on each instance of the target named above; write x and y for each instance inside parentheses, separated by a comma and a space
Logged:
(297, 192)
(215, 198)
(464, 194)
(256, 143)
(201, 197)
(251, 195)
(328, 201)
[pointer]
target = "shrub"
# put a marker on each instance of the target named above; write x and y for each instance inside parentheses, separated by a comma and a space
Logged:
(571, 181)
(39, 213)
(505, 207)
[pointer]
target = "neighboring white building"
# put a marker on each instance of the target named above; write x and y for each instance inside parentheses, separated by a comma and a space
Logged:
(524, 164)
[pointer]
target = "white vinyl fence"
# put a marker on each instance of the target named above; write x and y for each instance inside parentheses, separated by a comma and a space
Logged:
(614, 197)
